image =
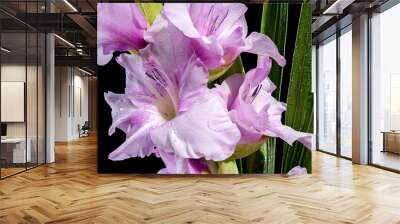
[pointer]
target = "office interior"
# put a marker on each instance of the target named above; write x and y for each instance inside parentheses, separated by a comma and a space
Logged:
(356, 78)
(48, 149)
(48, 82)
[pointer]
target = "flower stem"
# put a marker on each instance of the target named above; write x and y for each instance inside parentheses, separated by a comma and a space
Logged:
(227, 167)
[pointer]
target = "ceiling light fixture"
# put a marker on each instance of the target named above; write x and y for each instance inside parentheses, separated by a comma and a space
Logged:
(64, 40)
(70, 5)
(84, 71)
(329, 9)
(337, 7)
(5, 50)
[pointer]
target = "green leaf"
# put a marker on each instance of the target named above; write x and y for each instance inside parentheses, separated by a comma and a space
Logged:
(274, 23)
(212, 166)
(227, 167)
(244, 150)
(150, 10)
(256, 162)
(299, 114)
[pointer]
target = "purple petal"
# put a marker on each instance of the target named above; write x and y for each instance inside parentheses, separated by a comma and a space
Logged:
(248, 134)
(138, 84)
(192, 82)
(178, 165)
(216, 30)
(120, 27)
(103, 59)
(229, 89)
(210, 52)
(137, 144)
(232, 43)
(290, 135)
(121, 110)
(178, 14)
(234, 18)
(169, 48)
(203, 131)
(297, 171)
(169, 160)
(135, 123)
(253, 79)
(261, 44)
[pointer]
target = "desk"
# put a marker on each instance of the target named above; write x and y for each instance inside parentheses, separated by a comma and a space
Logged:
(391, 141)
(15, 148)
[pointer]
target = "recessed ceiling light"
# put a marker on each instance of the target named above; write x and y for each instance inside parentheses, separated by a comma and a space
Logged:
(337, 7)
(70, 5)
(84, 71)
(64, 40)
(5, 50)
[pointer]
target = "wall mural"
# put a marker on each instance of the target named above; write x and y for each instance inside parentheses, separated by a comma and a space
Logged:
(207, 88)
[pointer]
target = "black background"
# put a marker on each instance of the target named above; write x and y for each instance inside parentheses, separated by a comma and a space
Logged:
(111, 77)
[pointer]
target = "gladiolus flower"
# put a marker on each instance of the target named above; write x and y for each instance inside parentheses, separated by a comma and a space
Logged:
(254, 110)
(218, 32)
(167, 106)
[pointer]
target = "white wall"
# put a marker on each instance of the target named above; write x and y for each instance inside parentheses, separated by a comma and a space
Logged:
(61, 103)
(33, 126)
(17, 73)
(71, 102)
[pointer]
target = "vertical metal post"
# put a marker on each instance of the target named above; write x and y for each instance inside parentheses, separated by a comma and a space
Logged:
(338, 76)
(317, 97)
(26, 87)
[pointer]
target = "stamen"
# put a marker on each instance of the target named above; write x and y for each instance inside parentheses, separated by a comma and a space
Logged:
(216, 22)
(156, 76)
(210, 11)
(255, 93)
(207, 21)
(212, 27)
(222, 20)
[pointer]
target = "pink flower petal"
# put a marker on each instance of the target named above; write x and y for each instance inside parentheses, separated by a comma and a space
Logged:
(297, 171)
(203, 131)
(137, 144)
(103, 59)
(120, 27)
(261, 44)
(178, 14)
(192, 83)
(177, 165)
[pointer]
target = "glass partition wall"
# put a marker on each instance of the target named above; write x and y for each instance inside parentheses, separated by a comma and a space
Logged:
(22, 88)
(345, 91)
(327, 95)
(385, 89)
(334, 94)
